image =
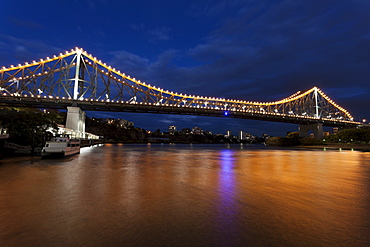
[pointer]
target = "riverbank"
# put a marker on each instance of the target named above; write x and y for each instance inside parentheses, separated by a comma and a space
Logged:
(339, 146)
(17, 159)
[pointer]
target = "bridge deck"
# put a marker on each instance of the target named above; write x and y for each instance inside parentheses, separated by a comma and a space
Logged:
(166, 109)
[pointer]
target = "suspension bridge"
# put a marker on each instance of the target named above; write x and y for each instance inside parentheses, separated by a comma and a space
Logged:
(80, 82)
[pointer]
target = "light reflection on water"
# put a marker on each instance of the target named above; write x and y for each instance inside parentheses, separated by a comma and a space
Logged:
(187, 195)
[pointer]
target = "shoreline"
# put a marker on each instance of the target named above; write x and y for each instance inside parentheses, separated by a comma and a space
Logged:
(333, 146)
(339, 146)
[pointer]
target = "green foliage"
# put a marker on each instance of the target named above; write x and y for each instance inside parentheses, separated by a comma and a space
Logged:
(332, 138)
(114, 132)
(293, 141)
(346, 135)
(293, 135)
(282, 141)
(27, 126)
(351, 135)
(308, 141)
(274, 141)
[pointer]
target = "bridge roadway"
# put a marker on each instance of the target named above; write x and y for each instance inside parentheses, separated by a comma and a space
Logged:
(86, 105)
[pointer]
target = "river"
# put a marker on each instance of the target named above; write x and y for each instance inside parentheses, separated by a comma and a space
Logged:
(187, 195)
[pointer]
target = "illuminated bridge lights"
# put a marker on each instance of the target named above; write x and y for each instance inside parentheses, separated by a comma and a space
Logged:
(57, 77)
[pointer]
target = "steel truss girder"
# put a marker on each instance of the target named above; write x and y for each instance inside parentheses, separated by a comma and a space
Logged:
(79, 76)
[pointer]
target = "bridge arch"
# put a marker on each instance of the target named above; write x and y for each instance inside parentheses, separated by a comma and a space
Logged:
(78, 78)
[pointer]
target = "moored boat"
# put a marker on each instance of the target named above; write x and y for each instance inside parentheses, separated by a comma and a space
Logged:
(61, 146)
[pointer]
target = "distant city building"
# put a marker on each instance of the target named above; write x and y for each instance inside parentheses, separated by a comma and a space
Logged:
(185, 130)
(266, 136)
(197, 131)
(125, 123)
(228, 134)
(172, 128)
(120, 122)
(109, 120)
(243, 135)
(335, 130)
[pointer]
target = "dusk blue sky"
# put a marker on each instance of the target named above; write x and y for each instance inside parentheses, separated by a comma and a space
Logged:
(249, 50)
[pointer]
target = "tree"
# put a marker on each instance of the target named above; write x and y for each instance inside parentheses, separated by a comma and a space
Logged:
(353, 135)
(292, 135)
(308, 141)
(28, 126)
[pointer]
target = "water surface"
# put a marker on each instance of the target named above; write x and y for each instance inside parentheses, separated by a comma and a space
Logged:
(187, 195)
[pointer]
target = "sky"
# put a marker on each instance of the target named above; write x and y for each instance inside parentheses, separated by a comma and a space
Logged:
(253, 50)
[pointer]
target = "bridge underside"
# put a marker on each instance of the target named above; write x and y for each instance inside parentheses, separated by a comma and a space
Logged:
(162, 109)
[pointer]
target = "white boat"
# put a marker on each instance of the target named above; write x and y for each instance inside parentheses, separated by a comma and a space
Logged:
(61, 146)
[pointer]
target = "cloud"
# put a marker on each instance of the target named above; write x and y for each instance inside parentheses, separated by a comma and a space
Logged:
(266, 52)
(166, 121)
(159, 34)
(180, 119)
(263, 55)
(256, 50)
(137, 27)
(216, 8)
(153, 35)
(28, 24)
(17, 50)
(129, 63)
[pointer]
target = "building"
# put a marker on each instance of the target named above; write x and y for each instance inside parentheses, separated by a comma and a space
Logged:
(71, 133)
(185, 131)
(243, 135)
(172, 128)
(266, 136)
(228, 134)
(120, 122)
(125, 123)
(197, 131)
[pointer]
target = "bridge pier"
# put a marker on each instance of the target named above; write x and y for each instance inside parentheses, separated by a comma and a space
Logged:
(76, 120)
(317, 129)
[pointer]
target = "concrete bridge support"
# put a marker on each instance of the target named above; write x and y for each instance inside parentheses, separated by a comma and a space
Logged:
(316, 128)
(76, 120)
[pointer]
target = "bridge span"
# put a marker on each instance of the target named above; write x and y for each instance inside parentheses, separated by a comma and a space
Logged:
(77, 79)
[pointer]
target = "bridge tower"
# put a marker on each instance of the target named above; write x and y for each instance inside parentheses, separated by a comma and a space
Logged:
(75, 115)
(78, 80)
